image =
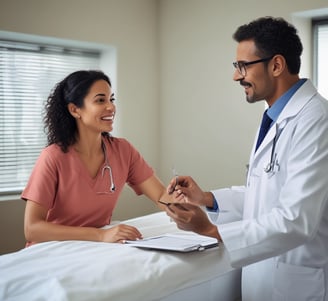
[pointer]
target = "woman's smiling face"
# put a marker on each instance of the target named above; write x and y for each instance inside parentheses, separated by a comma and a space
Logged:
(98, 111)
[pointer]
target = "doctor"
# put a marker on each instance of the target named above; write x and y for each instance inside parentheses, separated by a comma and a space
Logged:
(281, 239)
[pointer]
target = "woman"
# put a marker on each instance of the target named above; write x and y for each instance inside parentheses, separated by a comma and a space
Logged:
(76, 181)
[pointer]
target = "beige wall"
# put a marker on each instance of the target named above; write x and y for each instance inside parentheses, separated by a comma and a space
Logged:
(207, 127)
(131, 27)
(177, 102)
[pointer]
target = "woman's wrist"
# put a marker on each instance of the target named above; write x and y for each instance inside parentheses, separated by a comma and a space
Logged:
(99, 235)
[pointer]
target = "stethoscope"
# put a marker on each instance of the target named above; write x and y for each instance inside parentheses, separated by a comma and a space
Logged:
(107, 167)
(273, 162)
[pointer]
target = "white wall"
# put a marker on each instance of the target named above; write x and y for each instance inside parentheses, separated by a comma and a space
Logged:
(177, 102)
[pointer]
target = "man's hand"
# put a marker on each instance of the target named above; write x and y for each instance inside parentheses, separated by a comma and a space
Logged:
(191, 217)
(185, 189)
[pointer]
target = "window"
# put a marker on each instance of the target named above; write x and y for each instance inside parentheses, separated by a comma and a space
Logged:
(320, 34)
(27, 74)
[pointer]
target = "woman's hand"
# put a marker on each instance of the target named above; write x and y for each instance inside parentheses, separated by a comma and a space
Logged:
(120, 233)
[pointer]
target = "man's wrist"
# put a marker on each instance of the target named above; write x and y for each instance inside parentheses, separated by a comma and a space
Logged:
(210, 202)
(208, 199)
(213, 231)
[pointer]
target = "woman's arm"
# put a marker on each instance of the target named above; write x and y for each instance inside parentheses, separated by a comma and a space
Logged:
(37, 229)
(155, 190)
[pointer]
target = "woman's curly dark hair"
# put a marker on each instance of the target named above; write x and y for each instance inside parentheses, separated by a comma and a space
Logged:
(273, 36)
(60, 125)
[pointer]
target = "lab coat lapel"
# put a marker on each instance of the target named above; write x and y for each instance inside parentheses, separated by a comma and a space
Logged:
(267, 139)
(301, 97)
(295, 104)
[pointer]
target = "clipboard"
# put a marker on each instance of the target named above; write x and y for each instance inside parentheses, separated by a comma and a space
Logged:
(175, 243)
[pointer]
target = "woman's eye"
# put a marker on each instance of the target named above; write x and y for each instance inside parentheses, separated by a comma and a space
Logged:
(102, 100)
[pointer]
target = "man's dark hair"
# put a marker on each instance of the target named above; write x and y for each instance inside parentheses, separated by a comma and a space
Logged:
(273, 36)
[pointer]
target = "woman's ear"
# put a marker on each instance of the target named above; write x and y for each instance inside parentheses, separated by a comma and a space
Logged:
(74, 110)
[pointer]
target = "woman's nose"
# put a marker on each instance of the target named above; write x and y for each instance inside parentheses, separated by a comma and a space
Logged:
(110, 105)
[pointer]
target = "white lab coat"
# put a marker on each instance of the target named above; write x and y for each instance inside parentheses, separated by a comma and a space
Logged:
(282, 239)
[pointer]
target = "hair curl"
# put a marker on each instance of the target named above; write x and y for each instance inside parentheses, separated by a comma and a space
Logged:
(273, 36)
(60, 125)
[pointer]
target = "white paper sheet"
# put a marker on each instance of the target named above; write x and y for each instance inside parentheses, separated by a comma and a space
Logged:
(175, 242)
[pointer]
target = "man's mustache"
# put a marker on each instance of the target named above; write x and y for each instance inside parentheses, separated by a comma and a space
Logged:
(244, 83)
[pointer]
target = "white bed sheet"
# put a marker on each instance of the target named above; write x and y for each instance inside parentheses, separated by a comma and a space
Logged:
(79, 270)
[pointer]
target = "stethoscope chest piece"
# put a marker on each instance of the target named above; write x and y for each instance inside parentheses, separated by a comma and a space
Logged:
(268, 168)
(108, 167)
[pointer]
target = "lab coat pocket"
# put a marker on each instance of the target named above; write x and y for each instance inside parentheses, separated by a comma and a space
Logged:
(263, 170)
(297, 283)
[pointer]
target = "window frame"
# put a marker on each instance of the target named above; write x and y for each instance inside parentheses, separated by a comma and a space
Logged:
(107, 55)
(316, 23)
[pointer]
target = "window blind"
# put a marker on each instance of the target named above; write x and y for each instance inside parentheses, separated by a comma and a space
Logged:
(28, 72)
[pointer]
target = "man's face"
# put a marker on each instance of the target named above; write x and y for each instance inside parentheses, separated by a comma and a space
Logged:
(256, 78)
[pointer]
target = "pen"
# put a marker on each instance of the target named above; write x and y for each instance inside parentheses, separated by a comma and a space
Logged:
(164, 203)
(175, 174)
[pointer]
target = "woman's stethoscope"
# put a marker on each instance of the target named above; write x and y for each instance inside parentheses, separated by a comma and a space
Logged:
(107, 167)
(273, 161)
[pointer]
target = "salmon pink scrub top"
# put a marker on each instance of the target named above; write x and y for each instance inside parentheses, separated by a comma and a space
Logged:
(61, 183)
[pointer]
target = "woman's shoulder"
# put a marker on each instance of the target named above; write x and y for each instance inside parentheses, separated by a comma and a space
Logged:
(122, 146)
(119, 142)
(53, 149)
(54, 153)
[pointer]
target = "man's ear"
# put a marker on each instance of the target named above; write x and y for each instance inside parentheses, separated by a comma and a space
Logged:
(278, 65)
(74, 110)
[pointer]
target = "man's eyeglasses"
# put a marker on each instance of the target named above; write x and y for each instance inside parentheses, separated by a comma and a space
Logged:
(241, 65)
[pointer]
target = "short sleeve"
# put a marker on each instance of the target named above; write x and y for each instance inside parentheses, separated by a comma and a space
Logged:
(41, 186)
(139, 169)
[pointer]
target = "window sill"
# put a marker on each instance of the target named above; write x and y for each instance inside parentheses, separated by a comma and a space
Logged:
(10, 197)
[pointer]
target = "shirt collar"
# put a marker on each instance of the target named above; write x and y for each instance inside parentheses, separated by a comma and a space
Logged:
(275, 110)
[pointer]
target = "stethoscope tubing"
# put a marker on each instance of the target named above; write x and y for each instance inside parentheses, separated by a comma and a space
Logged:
(273, 155)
